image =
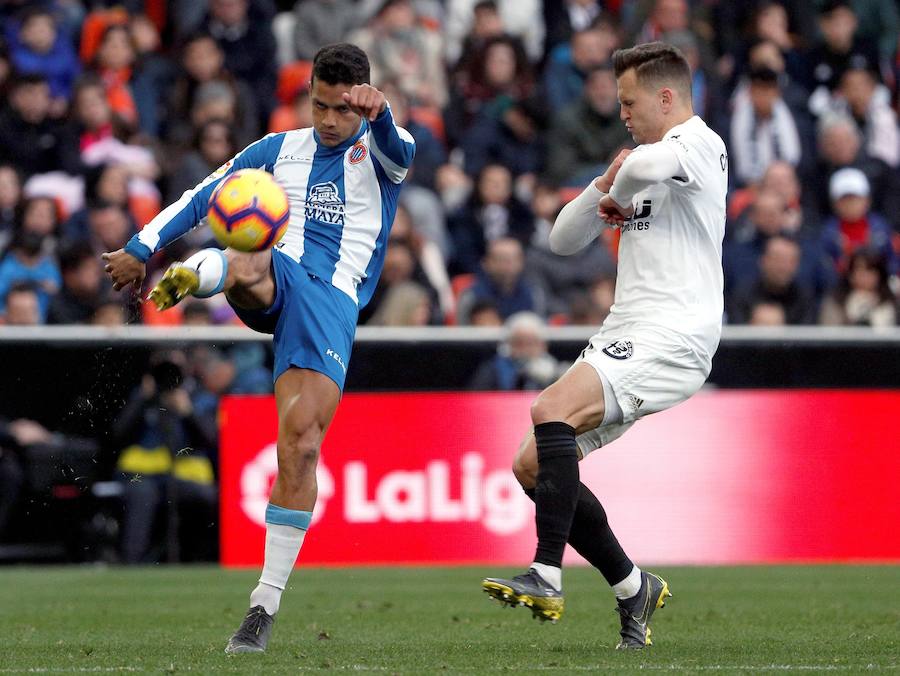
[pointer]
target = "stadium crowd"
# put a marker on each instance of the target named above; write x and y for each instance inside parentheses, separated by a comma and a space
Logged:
(110, 110)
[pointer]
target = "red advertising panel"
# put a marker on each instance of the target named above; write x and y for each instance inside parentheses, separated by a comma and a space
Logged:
(728, 477)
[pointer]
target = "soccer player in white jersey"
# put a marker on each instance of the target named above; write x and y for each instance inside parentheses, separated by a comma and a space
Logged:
(342, 178)
(667, 197)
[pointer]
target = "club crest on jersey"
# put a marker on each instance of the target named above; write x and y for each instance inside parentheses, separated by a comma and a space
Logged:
(358, 152)
(619, 349)
(324, 204)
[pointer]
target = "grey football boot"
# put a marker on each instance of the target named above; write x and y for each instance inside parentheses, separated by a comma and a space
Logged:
(253, 634)
(635, 613)
(529, 590)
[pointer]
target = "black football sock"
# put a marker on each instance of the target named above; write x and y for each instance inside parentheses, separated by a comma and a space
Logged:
(556, 491)
(591, 536)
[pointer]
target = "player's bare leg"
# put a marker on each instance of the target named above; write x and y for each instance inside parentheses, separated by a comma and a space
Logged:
(306, 402)
(245, 277)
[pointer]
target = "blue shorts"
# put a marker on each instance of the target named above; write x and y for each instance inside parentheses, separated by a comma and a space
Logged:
(313, 322)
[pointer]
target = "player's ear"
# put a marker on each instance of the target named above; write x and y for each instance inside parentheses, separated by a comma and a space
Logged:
(666, 98)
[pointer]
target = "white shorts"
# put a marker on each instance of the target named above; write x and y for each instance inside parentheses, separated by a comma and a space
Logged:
(648, 369)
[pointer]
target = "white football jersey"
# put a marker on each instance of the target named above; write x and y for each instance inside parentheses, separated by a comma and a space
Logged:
(670, 251)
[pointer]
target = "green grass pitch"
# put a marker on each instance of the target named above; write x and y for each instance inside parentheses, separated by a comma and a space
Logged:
(437, 621)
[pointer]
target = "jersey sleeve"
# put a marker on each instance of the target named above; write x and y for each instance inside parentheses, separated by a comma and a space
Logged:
(392, 147)
(696, 159)
(185, 214)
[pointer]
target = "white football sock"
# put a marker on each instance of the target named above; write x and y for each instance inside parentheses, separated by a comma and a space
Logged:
(551, 574)
(630, 586)
(212, 266)
(282, 547)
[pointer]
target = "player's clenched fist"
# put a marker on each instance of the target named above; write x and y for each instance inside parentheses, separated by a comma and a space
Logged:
(613, 213)
(366, 101)
(124, 269)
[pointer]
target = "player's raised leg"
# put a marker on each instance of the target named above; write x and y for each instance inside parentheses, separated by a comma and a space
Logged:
(212, 271)
(306, 403)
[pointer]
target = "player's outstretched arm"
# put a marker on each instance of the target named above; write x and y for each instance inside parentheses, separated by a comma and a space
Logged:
(392, 146)
(579, 223)
(186, 213)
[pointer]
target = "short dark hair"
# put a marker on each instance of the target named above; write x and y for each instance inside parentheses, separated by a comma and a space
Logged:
(341, 63)
(655, 63)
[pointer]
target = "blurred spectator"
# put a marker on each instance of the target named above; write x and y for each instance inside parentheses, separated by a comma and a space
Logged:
(91, 120)
(114, 63)
(39, 47)
(203, 63)
(520, 18)
(400, 49)
(109, 312)
(10, 195)
(839, 49)
(214, 145)
(800, 216)
(245, 36)
(502, 117)
(491, 212)
(404, 304)
(878, 23)
(587, 134)
(484, 313)
(568, 64)
(858, 96)
(591, 307)
(765, 218)
(666, 16)
(841, 145)
(196, 313)
(765, 54)
(487, 24)
(503, 281)
(430, 152)
(561, 277)
(522, 361)
(26, 261)
(29, 138)
(766, 313)
(321, 22)
(763, 128)
(563, 19)
(109, 226)
(776, 283)
(430, 268)
(401, 266)
(854, 224)
(155, 72)
(22, 305)
(166, 459)
(82, 286)
(864, 296)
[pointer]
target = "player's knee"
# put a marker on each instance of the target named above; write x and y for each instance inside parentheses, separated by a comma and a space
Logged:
(547, 408)
(298, 453)
(525, 471)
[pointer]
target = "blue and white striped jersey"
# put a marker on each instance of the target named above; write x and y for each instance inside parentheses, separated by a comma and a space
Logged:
(343, 201)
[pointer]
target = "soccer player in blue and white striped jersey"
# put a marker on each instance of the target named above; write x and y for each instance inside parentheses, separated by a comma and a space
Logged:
(342, 178)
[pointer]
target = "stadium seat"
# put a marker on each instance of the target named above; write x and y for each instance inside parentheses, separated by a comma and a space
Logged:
(432, 118)
(293, 77)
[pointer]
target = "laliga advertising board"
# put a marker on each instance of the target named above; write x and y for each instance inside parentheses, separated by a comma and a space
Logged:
(727, 477)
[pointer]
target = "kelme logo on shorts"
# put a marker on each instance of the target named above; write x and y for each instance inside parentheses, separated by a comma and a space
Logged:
(619, 349)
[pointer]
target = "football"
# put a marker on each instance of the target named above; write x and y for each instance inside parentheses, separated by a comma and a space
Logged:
(248, 211)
